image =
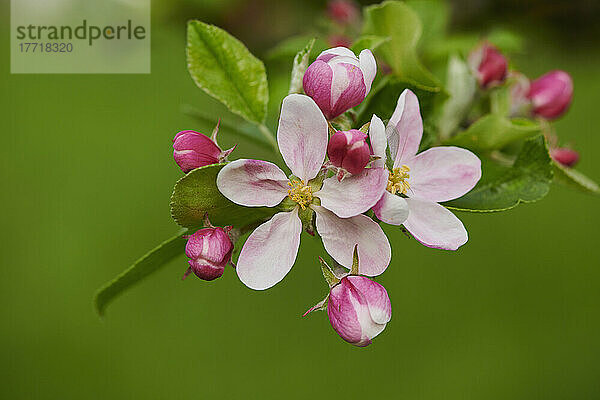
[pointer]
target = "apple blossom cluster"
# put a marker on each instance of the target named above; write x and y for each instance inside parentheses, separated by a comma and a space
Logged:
(343, 185)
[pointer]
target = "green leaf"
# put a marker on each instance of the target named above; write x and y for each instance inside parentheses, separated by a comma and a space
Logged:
(434, 15)
(502, 188)
(370, 42)
(573, 178)
(399, 22)
(146, 265)
(494, 131)
(196, 194)
(461, 87)
(299, 67)
(224, 68)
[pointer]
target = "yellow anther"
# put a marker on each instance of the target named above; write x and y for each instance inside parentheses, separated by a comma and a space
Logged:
(398, 180)
(300, 193)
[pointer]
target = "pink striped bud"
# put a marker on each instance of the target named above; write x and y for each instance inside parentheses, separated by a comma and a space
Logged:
(338, 80)
(551, 94)
(349, 150)
(565, 156)
(193, 150)
(209, 251)
(344, 12)
(358, 309)
(488, 65)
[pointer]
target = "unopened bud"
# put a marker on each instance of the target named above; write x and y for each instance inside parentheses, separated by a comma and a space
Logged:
(344, 12)
(488, 65)
(565, 156)
(551, 94)
(338, 80)
(209, 251)
(358, 309)
(193, 150)
(349, 150)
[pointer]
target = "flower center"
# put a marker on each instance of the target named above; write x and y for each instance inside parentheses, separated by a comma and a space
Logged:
(398, 180)
(300, 193)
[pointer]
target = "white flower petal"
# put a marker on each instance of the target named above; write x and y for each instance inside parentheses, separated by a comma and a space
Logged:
(378, 140)
(338, 51)
(405, 128)
(443, 173)
(391, 209)
(434, 226)
(340, 235)
(355, 194)
(302, 136)
(253, 183)
(270, 251)
(368, 67)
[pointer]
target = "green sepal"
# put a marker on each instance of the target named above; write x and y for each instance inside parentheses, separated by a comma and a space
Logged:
(328, 274)
(355, 262)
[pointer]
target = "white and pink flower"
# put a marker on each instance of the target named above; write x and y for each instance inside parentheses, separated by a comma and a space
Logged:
(270, 251)
(418, 182)
(338, 80)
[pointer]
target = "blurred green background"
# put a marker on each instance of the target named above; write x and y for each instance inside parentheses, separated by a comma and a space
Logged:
(87, 171)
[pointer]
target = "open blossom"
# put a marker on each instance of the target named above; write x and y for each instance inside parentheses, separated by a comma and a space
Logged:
(551, 94)
(349, 150)
(193, 150)
(338, 80)
(488, 65)
(270, 251)
(418, 182)
(358, 309)
(209, 250)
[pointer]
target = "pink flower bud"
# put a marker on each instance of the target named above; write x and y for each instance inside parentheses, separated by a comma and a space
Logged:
(343, 11)
(358, 309)
(489, 65)
(349, 150)
(193, 150)
(209, 251)
(551, 94)
(338, 80)
(339, 40)
(565, 156)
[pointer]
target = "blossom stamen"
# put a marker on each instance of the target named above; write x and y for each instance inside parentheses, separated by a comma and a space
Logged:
(300, 193)
(398, 180)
